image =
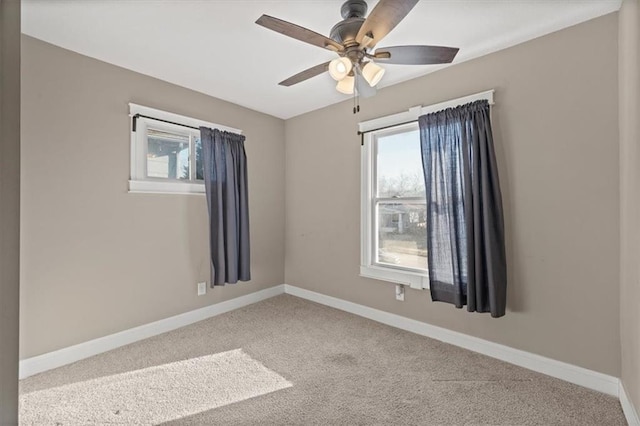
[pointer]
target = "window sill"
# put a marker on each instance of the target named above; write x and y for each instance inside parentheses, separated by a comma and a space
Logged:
(155, 187)
(412, 279)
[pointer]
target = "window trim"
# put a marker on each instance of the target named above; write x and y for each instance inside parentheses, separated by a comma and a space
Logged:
(369, 269)
(138, 180)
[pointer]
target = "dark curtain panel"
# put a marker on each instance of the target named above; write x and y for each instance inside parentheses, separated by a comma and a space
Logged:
(465, 230)
(225, 180)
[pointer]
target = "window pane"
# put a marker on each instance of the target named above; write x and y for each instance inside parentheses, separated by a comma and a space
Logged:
(399, 165)
(402, 235)
(199, 164)
(167, 155)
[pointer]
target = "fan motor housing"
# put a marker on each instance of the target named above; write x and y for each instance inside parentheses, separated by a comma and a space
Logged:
(353, 13)
(345, 31)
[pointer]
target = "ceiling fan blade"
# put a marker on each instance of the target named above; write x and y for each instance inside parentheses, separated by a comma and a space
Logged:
(305, 75)
(362, 87)
(299, 33)
(383, 18)
(415, 55)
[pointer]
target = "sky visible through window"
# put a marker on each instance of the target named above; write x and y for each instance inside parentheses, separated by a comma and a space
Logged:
(399, 165)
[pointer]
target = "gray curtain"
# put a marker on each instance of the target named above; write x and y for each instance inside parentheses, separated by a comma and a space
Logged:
(225, 180)
(465, 230)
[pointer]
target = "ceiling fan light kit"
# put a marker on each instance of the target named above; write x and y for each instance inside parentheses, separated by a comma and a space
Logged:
(353, 39)
(339, 68)
(372, 73)
(346, 85)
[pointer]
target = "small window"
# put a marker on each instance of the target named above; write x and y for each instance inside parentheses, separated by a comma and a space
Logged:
(166, 152)
(170, 155)
(394, 240)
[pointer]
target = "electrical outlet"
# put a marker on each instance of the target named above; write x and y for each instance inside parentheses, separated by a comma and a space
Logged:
(202, 288)
(400, 292)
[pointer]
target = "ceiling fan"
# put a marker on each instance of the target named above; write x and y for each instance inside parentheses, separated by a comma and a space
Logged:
(353, 39)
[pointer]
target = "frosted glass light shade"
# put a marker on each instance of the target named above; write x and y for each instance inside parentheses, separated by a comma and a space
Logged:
(339, 68)
(372, 73)
(346, 85)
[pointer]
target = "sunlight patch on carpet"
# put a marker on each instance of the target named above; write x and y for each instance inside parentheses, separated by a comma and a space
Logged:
(154, 395)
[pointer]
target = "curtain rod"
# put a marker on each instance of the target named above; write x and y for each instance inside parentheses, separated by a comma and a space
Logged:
(361, 134)
(385, 127)
(136, 116)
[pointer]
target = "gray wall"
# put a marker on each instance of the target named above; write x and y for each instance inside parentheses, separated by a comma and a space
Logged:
(556, 131)
(96, 259)
(630, 197)
(9, 208)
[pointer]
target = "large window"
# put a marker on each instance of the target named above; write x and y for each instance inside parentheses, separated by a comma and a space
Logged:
(399, 201)
(393, 207)
(166, 152)
(393, 222)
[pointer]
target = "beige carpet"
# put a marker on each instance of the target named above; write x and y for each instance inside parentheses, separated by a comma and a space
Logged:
(287, 361)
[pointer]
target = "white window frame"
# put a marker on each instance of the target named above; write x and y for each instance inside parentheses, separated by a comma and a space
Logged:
(369, 268)
(139, 182)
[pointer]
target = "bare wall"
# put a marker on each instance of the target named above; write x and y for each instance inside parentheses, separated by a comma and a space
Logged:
(9, 208)
(630, 197)
(96, 259)
(556, 131)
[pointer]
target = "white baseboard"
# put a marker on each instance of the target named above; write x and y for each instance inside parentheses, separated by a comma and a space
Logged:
(629, 410)
(568, 372)
(44, 362)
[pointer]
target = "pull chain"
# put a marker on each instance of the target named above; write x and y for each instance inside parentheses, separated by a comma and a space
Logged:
(354, 101)
(356, 93)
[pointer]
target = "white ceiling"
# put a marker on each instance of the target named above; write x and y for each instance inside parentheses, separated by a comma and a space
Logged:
(214, 46)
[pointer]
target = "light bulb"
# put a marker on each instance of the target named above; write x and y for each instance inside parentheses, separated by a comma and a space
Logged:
(339, 68)
(346, 85)
(372, 73)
